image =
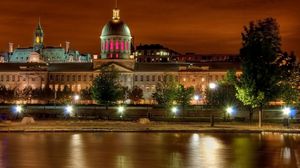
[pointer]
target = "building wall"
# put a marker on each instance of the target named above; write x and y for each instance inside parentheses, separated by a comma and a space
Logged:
(76, 81)
(147, 81)
(21, 80)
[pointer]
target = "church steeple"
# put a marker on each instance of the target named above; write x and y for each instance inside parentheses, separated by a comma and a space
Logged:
(38, 41)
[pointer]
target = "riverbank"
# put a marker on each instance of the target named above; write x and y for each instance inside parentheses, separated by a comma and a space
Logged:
(117, 126)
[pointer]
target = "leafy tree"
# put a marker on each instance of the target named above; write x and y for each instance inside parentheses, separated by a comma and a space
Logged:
(136, 94)
(25, 94)
(166, 93)
(184, 95)
(290, 86)
(261, 48)
(64, 96)
(86, 94)
(106, 88)
(6, 95)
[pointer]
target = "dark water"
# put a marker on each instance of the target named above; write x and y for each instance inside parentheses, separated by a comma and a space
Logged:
(148, 150)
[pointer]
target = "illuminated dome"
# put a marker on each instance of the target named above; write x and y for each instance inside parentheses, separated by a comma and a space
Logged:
(115, 39)
(115, 28)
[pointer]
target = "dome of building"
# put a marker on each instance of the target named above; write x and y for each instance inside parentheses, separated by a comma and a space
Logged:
(116, 28)
(115, 38)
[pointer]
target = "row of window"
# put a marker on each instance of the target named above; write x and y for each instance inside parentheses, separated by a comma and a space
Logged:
(68, 78)
(17, 78)
(155, 78)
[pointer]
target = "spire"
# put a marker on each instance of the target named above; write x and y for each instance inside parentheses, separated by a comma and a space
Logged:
(116, 13)
(39, 26)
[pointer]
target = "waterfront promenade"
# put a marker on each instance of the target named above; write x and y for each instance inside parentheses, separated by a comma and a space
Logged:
(120, 126)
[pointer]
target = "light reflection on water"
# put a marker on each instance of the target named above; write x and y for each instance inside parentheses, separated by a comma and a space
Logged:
(153, 150)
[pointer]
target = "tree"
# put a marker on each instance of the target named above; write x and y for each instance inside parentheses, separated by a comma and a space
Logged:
(6, 95)
(86, 94)
(64, 96)
(166, 93)
(106, 88)
(135, 94)
(25, 94)
(290, 87)
(261, 47)
(184, 95)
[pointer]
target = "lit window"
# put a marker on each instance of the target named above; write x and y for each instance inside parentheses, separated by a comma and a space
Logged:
(111, 45)
(122, 45)
(117, 44)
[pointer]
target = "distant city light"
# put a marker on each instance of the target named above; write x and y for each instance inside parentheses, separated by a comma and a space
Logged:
(196, 97)
(213, 86)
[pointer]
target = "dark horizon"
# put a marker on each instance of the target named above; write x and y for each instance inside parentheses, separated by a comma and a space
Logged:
(203, 27)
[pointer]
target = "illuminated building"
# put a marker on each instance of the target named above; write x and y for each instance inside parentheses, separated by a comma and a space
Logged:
(48, 54)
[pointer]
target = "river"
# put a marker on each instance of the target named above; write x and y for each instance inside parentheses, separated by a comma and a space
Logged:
(148, 150)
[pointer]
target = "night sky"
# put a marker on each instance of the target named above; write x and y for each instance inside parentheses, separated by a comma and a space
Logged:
(202, 26)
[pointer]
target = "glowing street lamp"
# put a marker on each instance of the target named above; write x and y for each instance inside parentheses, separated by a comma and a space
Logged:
(121, 110)
(69, 109)
(174, 110)
(229, 111)
(196, 97)
(19, 109)
(287, 113)
(213, 86)
(76, 97)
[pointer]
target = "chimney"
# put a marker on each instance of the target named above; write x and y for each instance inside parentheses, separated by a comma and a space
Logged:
(67, 46)
(10, 47)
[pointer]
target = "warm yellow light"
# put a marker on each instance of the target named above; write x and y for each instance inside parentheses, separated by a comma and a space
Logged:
(37, 40)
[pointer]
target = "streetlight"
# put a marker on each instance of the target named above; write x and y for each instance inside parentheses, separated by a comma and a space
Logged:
(174, 110)
(18, 109)
(69, 109)
(287, 113)
(229, 111)
(76, 98)
(213, 86)
(121, 110)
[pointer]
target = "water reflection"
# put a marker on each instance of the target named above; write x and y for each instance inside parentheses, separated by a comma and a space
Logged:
(77, 153)
(159, 150)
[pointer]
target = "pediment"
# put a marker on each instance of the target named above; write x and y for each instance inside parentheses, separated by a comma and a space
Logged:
(117, 67)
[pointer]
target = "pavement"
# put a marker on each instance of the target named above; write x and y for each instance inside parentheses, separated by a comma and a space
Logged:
(120, 126)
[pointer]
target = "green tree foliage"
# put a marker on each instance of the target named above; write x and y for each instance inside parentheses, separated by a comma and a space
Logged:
(166, 93)
(136, 94)
(184, 95)
(106, 88)
(64, 96)
(290, 90)
(86, 94)
(6, 95)
(259, 82)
